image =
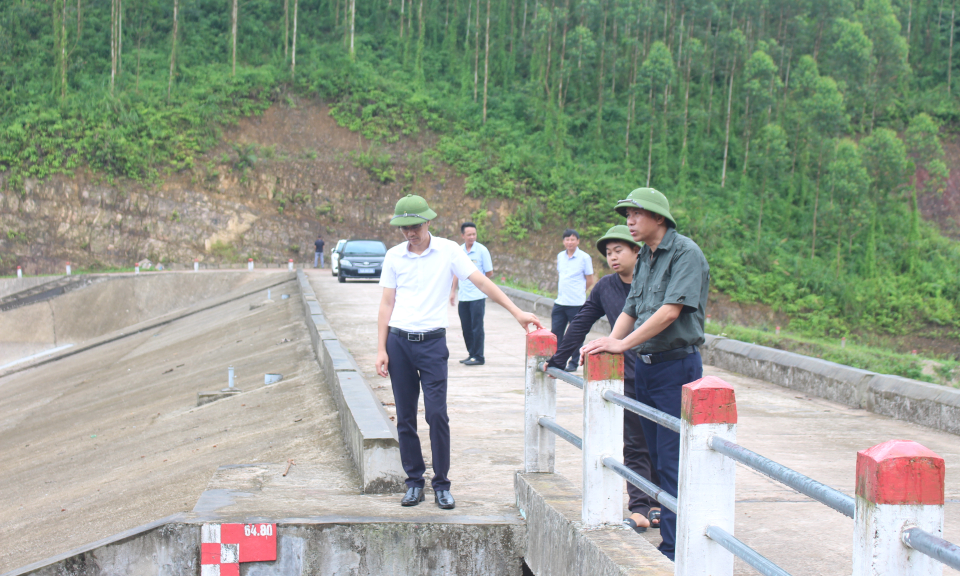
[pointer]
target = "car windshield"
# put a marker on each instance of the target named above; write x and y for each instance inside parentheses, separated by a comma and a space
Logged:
(364, 248)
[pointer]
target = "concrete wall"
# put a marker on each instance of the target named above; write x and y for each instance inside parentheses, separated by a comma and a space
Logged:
(10, 286)
(370, 435)
(919, 402)
(557, 547)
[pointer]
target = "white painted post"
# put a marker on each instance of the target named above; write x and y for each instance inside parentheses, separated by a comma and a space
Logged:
(707, 483)
(19, 272)
(136, 268)
(602, 437)
(540, 399)
(68, 268)
(250, 264)
(196, 265)
(899, 485)
(290, 265)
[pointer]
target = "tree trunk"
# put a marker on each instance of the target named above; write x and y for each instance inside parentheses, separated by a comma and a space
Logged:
(63, 51)
(173, 47)
(293, 42)
(402, 6)
(476, 55)
(233, 37)
(950, 53)
(486, 63)
(563, 55)
(816, 204)
(726, 140)
(613, 63)
(353, 20)
(286, 29)
(113, 44)
(746, 152)
(686, 117)
(119, 37)
(603, 46)
(653, 107)
(523, 25)
(909, 22)
(713, 68)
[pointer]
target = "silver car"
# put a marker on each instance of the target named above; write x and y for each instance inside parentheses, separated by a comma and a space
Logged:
(335, 257)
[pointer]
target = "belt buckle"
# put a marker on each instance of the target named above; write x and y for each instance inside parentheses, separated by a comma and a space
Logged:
(646, 358)
(415, 336)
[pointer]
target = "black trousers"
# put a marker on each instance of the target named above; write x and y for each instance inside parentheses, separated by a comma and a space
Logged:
(660, 386)
(471, 321)
(559, 319)
(636, 456)
(412, 366)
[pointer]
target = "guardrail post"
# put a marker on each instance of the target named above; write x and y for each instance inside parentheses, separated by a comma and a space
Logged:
(899, 485)
(250, 264)
(540, 399)
(602, 437)
(707, 482)
(19, 272)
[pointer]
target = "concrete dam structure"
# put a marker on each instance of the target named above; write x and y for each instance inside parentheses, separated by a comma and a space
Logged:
(112, 467)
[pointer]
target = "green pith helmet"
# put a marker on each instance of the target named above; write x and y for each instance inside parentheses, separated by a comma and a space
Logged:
(647, 199)
(621, 233)
(412, 210)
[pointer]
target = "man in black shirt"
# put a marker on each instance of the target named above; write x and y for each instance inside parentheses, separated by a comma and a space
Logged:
(318, 254)
(607, 299)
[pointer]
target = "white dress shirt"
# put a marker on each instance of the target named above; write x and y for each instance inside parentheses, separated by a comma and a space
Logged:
(572, 271)
(423, 283)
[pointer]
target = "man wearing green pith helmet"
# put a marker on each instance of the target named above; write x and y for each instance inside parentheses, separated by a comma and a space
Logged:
(417, 276)
(662, 322)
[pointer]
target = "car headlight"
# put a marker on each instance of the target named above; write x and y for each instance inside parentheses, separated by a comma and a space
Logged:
(345, 262)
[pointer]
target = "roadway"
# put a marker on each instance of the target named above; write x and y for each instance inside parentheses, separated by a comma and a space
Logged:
(813, 436)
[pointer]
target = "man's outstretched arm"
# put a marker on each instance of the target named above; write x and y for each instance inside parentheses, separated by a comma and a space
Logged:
(494, 293)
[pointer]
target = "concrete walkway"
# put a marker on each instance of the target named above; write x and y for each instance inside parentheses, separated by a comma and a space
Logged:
(815, 437)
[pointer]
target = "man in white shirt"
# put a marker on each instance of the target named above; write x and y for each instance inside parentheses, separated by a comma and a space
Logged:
(417, 276)
(575, 271)
(472, 304)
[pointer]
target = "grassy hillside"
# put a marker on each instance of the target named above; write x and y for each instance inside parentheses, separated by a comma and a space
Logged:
(792, 139)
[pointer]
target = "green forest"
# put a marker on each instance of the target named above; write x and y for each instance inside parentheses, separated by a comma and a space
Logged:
(792, 137)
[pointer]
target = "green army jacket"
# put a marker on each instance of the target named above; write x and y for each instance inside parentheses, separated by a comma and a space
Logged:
(677, 273)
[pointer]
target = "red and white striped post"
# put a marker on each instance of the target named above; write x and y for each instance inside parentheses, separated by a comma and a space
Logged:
(290, 265)
(68, 269)
(707, 483)
(602, 437)
(250, 264)
(19, 272)
(539, 400)
(196, 265)
(899, 485)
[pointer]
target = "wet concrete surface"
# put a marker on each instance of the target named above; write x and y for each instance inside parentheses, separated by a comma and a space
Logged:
(813, 436)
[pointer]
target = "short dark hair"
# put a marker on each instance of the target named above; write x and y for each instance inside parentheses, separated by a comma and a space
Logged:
(466, 225)
(571, 232)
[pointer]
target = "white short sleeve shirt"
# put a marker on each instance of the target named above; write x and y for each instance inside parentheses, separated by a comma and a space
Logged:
(572, 285)
(423, 283)
(480, 256)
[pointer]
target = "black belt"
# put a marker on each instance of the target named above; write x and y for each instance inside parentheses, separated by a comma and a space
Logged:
(419, 336)
(675, 354)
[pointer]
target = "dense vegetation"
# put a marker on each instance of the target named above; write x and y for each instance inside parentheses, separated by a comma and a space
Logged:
(792, 137)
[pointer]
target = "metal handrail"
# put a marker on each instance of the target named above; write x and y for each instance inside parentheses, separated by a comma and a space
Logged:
(803, 484)
(562, 375)
(744, 552)
(933, 546)
(551, 425)
(641, 409)
(648, 487)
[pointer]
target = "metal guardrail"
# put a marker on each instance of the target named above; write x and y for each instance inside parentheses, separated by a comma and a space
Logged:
(933, 546)
(807, 486)
(744, 552)
(648, 487)
(641, 409)
(564, 376)
(551, 425)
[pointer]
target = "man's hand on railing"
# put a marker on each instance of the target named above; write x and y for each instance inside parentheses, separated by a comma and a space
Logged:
(605, 344)
(526, 319)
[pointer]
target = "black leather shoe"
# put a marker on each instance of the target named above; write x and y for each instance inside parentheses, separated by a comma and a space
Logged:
(473, 362)
(413, 497)
(464, 361)
(571, 366)
(444, 499)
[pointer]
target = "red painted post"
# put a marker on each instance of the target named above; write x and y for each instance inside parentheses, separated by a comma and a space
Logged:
(250, 264)
(899, 485)
(707, 483)
(19, 272)
(540, 400)
(602, 438)
(290, 265)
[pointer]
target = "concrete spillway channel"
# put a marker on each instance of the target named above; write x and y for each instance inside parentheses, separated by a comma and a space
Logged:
(111, 467)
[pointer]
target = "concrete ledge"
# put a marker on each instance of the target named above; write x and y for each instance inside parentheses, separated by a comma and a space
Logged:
(918, 402)
(171, 547)
(557, 546)
(369, 434)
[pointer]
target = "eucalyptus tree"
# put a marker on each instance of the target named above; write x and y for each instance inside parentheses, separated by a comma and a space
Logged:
(880, 24)
(760, 83)
(656, 73)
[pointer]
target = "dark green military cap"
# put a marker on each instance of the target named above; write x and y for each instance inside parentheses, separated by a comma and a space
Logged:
(412, 210)
(620, 233)
(647, 199)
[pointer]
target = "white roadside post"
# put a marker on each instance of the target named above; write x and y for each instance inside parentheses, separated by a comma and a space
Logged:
(196, 265)
(899, 486)
(250, 264)
(136, 268)
(19, 272)
(68, 269)
(290, 265)
(602, 438)
(707, 481)
(540, 400)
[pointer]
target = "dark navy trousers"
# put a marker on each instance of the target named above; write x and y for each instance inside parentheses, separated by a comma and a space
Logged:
(660, 385)
(636, 456)
(471, 321)
(412, 366)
